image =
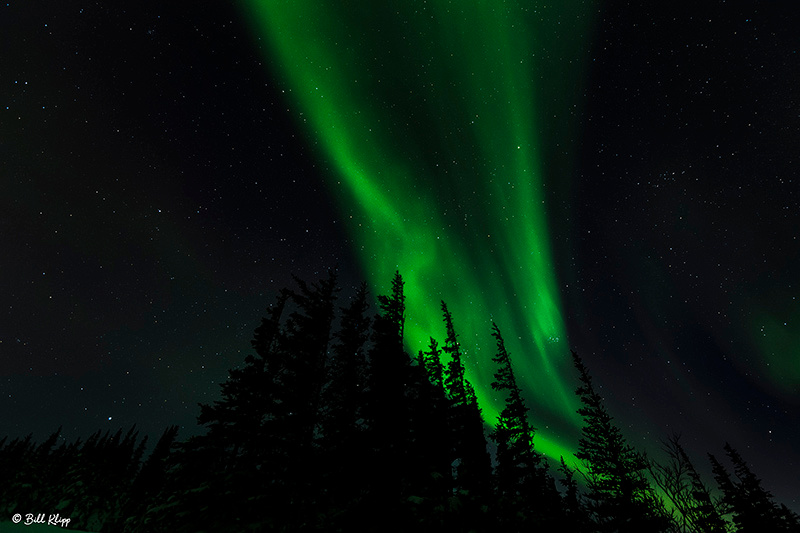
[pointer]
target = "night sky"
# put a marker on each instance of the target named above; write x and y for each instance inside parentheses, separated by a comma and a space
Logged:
(620, 180)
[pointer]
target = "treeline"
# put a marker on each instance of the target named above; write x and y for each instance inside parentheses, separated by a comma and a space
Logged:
(330, 425)
(96, 484)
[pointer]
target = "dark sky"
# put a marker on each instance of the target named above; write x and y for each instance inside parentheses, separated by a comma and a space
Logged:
(154, 198)
(155, 193)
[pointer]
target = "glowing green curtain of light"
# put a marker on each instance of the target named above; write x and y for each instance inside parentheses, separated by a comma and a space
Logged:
(426, 113)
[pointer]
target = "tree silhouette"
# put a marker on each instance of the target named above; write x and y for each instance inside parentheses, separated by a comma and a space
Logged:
(387, 411)
(619, 495)
(342, 471)
(347, 374)
(433, 412)
(432, 362)
(338, 429)
(146, 486)
(262, 434)
(471, 462)
(525, 487)
(346, 377)
(752, 507)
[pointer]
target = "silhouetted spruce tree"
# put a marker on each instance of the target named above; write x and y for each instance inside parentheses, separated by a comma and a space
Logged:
(725, 484)
(435, 396)
(62, 460)
(344, 426)
(307, 341)
(347, 374)
(389, 365)
(260, 454)
(456, 384)
(758, 498)
(308, 334)
(440, 445)
(432, 362)
(21, 471)
(472, 469)
(387, 407)
(526, 490)
(706, 516)
(427, 467)
(431, 481)
(146, 487)
(33, 475)
(619, 495)
(752, 507)
(127, 454)
(43, 475)
(249, 396)
(16, 469)
(244, 451)
(407, 414)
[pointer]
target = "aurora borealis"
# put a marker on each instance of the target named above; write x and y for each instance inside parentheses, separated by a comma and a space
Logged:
(616, 179)
(427, 115)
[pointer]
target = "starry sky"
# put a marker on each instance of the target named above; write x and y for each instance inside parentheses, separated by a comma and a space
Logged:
(166, 168)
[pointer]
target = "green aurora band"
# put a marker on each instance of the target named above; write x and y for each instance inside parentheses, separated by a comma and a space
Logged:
(426, 114)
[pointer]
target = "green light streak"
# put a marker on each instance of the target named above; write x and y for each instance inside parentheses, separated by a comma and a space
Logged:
(426, 113)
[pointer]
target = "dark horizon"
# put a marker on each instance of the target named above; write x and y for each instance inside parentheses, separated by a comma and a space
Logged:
(330, 425)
